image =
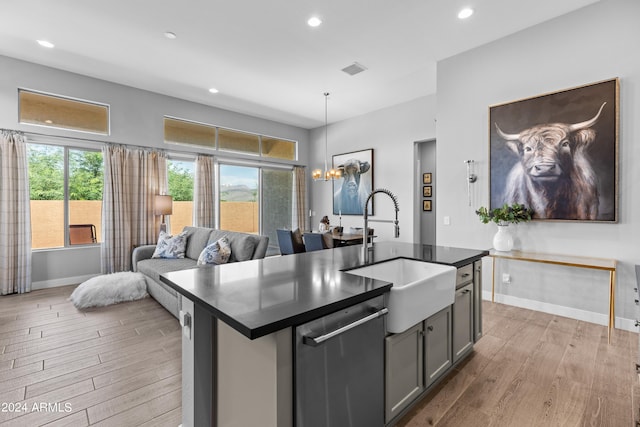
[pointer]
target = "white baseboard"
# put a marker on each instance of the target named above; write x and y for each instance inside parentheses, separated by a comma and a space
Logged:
(559, 310)
(64, 281)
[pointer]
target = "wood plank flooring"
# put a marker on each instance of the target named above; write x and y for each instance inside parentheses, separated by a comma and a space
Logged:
(536, 369)
(112, 366)
(120, 366)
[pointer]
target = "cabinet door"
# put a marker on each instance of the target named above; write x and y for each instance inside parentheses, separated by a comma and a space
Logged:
(437, 344)
(463, 321)
(404, 370)
(477, 300)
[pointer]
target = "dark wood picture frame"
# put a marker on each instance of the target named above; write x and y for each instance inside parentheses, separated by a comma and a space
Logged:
(557, 153)
(426, 205)
(349, 196)
(426, 191)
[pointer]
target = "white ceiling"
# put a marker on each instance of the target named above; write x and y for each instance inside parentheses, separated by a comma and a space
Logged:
(261, 54)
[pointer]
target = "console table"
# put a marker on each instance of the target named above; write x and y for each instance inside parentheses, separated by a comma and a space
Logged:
(566, 260)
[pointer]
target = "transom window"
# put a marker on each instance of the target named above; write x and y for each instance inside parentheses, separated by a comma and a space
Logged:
(179, 131)
(61, 112)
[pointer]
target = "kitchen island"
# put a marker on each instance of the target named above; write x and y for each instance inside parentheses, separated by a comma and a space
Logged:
(239, 321)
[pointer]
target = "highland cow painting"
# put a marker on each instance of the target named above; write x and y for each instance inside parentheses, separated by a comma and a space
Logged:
(557, 153)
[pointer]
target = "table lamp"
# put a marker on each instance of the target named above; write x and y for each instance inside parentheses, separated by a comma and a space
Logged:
(163, 205)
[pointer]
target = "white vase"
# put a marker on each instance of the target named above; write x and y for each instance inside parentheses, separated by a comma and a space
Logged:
(503, 241)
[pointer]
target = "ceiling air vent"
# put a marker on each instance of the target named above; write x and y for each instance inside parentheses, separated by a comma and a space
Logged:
(354, 69)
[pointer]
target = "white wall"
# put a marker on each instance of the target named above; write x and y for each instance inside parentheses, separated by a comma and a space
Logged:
(589, 45)
(427, 219)
(391, 132)
(136, 119)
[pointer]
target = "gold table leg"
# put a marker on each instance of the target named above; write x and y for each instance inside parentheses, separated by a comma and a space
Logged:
(612, 302)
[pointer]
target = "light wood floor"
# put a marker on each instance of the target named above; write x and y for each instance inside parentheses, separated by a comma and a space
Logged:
(111, 366)
(536, 369)
(120, 366)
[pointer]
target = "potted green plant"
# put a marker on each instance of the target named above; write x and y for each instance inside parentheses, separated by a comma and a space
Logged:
(503, 216)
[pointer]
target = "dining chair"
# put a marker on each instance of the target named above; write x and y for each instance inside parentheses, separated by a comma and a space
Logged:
(318, 241)
(287, 243)
(82, 234)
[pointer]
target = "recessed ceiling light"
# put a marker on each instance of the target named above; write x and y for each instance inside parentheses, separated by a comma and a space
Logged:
(465, 13)
(214, 90)
(314, 21)
(45, 43)
(170, 35)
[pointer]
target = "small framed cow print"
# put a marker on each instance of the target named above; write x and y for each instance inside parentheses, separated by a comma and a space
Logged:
(557, 153)
(350, 192)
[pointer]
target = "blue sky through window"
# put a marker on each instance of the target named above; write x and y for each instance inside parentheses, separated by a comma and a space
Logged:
(231, 175)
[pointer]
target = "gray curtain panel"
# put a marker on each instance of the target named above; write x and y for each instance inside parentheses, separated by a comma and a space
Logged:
(299, 198)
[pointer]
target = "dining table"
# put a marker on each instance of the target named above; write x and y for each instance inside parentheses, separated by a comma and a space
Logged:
(345, 239)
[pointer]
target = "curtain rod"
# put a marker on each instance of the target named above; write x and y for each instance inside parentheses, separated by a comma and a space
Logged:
(38, 135)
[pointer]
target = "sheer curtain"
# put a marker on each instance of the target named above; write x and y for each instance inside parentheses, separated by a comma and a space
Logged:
(203, 196)
(15, 214)
(132, 178)
(299, 198)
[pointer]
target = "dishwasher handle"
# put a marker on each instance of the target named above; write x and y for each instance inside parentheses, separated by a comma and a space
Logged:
(315, 341)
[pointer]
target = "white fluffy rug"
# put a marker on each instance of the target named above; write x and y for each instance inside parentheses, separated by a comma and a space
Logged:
(109, 289)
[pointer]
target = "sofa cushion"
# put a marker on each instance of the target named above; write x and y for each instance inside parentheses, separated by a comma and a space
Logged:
(154, 267)
(198, 239)
(242, 245)
(170, 246)
(217, 252)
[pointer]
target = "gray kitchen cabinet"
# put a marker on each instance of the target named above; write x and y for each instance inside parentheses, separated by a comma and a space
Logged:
(437, 344)
(477, 300)
(417, 358)
(463, 314)
(404, 376)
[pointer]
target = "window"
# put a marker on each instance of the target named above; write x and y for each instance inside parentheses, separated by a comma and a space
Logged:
(61, 112)
(232, 140)
(277, 202)
(278, 148)
(181, 177)
(60, 213)
(255, 200)
(186, 132)
(239, 198)
(179, 131)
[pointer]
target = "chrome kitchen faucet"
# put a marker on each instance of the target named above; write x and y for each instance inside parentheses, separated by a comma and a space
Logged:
(365, 230)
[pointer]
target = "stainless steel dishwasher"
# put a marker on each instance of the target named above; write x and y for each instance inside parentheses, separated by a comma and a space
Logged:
(339, 368)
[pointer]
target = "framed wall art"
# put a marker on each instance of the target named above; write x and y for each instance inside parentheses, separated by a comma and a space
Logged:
(426, 178)
(350, 192)
(426, 205)
(426, 191)
(557, 153)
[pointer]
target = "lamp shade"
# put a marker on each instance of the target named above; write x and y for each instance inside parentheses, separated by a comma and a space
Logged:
(163, 205)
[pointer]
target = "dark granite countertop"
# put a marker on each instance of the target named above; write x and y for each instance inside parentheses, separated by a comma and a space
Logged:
(259, 297)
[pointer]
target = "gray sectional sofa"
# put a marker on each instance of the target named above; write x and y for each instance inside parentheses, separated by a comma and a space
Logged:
(243, 247)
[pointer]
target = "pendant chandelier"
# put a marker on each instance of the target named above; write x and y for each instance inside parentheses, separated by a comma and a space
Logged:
(328, 174)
